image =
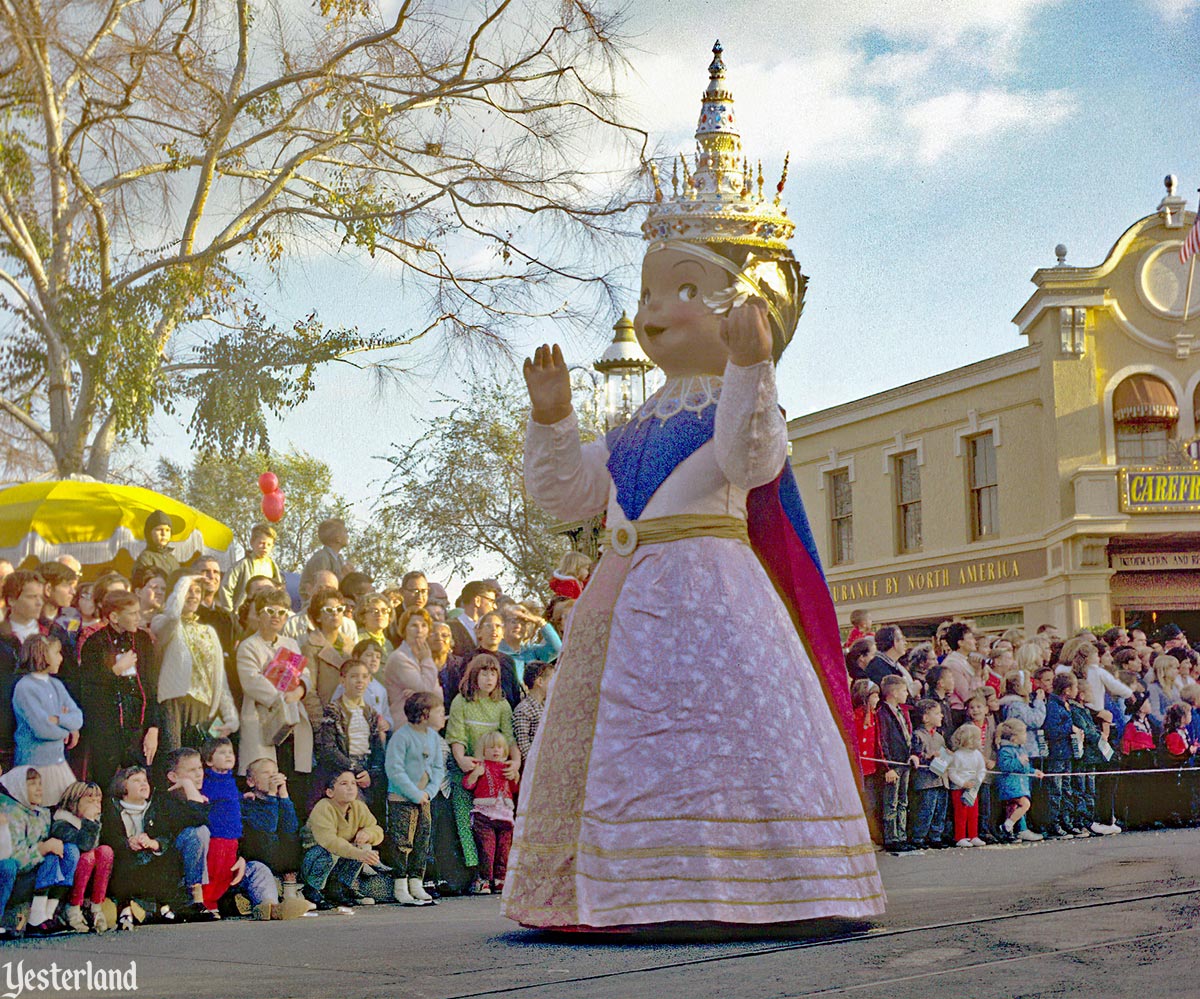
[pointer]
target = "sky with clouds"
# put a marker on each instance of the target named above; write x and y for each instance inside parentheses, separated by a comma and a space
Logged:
(939, 151)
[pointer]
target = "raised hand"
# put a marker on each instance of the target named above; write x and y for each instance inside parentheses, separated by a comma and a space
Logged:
(747, 333)
(549, 384)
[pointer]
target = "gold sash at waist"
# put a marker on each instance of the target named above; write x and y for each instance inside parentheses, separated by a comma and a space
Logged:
(625, 539)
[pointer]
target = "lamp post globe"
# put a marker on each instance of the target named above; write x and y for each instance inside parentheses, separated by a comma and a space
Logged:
(624, 366)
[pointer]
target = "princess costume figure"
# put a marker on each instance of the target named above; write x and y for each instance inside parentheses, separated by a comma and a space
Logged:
(695, 761)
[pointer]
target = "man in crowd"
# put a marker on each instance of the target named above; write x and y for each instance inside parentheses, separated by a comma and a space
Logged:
(478, 598)
(71, 562)
(890, 646)
(1173, 637)
(414, 591)
(150, 587)
(328, 558)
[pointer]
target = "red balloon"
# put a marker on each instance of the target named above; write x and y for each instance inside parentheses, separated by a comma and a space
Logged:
(272, 506)
(268, 483)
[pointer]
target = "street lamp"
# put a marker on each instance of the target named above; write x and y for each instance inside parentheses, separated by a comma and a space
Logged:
(624, 367)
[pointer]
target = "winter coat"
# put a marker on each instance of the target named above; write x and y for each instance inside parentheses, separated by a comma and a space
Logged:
(74, 829)
(254, 655)
(177, 665)
(1013, 780)
(927, 746)
(895, 735)
(333, 744)
(1082, 718)
(28, 824)
(404, 675)
(1058, 725)
(1032, 713)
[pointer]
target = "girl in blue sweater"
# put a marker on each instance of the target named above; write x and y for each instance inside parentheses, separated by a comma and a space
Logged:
(48, 720)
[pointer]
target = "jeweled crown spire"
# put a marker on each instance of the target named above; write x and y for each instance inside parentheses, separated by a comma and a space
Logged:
(719, 200)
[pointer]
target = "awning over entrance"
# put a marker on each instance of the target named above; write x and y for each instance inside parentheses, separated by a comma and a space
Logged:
(1144, 399)
(1156, 590)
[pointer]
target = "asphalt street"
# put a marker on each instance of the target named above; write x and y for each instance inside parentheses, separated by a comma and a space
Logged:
(1103, 918)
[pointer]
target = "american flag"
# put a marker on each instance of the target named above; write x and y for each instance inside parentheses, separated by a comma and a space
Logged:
(1192, 243)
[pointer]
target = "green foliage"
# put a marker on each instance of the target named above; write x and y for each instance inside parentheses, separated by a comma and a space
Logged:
(461, 490)
(227, 489)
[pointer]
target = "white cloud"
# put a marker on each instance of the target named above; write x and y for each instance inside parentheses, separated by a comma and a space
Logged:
(1173, 11)
(959, 119)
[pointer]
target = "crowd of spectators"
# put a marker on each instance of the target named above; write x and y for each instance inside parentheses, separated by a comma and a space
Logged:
(184, 745)
(970, 739)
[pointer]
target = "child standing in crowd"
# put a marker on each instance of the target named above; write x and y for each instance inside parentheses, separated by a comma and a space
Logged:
(895, 746)
(980, 714)
(864, 696)
(928, 786)
(344, 835)
(1060, 729)
(1013, 785)
(528, 713)
(1087, 760)
(571, 576)
(939, 682)
(1178, 751)
(478, 708)
(270, 827)
(118, 691)
(493, 813)
(257, 563)
(1024, 703)
(34, 849)
(370, 653)
(48, 720)
(350, 739)
(1139, 743)
(77, 822)
(966, 774)
(415, 770)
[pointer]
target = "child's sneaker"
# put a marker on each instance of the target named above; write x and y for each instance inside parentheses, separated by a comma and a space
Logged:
(978, 842)
(401, 893)
(99, 919)
(964, 842)
(480, 887)
(1029, 836)
(125, 920)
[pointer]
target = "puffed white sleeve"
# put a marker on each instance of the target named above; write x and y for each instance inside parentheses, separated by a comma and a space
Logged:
(751, 434)
(566, 478)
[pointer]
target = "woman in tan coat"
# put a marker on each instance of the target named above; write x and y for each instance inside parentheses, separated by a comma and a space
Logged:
(326, 647)
(293, 756)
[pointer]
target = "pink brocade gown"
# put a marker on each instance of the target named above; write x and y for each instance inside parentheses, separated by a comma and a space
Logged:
(686, 766)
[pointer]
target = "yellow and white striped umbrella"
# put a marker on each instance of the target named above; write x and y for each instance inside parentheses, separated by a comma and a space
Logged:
(97, 522)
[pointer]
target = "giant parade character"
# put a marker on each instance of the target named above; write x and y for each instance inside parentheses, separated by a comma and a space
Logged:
(695, 758)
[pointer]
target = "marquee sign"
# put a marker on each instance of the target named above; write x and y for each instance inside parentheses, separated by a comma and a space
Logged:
(1160, 490)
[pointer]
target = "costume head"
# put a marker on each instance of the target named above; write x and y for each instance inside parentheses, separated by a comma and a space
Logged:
(719, 214)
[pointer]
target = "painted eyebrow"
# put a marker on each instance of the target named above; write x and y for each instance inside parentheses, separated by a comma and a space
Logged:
(680, 263)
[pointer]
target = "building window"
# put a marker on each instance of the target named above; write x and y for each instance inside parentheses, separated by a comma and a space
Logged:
(841, 516)
(907, 475)
(1141, 442)
(985, 505)
(1145, 415)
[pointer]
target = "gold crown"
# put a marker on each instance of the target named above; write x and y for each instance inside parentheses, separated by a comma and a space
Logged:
(718, 201)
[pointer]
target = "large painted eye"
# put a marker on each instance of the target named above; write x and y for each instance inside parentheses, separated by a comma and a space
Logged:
(687, 292)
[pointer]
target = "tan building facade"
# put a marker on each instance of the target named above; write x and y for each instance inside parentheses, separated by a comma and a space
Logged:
(1052, 484)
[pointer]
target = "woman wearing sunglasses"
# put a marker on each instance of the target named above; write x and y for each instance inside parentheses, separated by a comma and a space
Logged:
(326, 647)
(263, 699)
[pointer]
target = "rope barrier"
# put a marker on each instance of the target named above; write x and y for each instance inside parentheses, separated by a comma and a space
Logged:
(1073, 773)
